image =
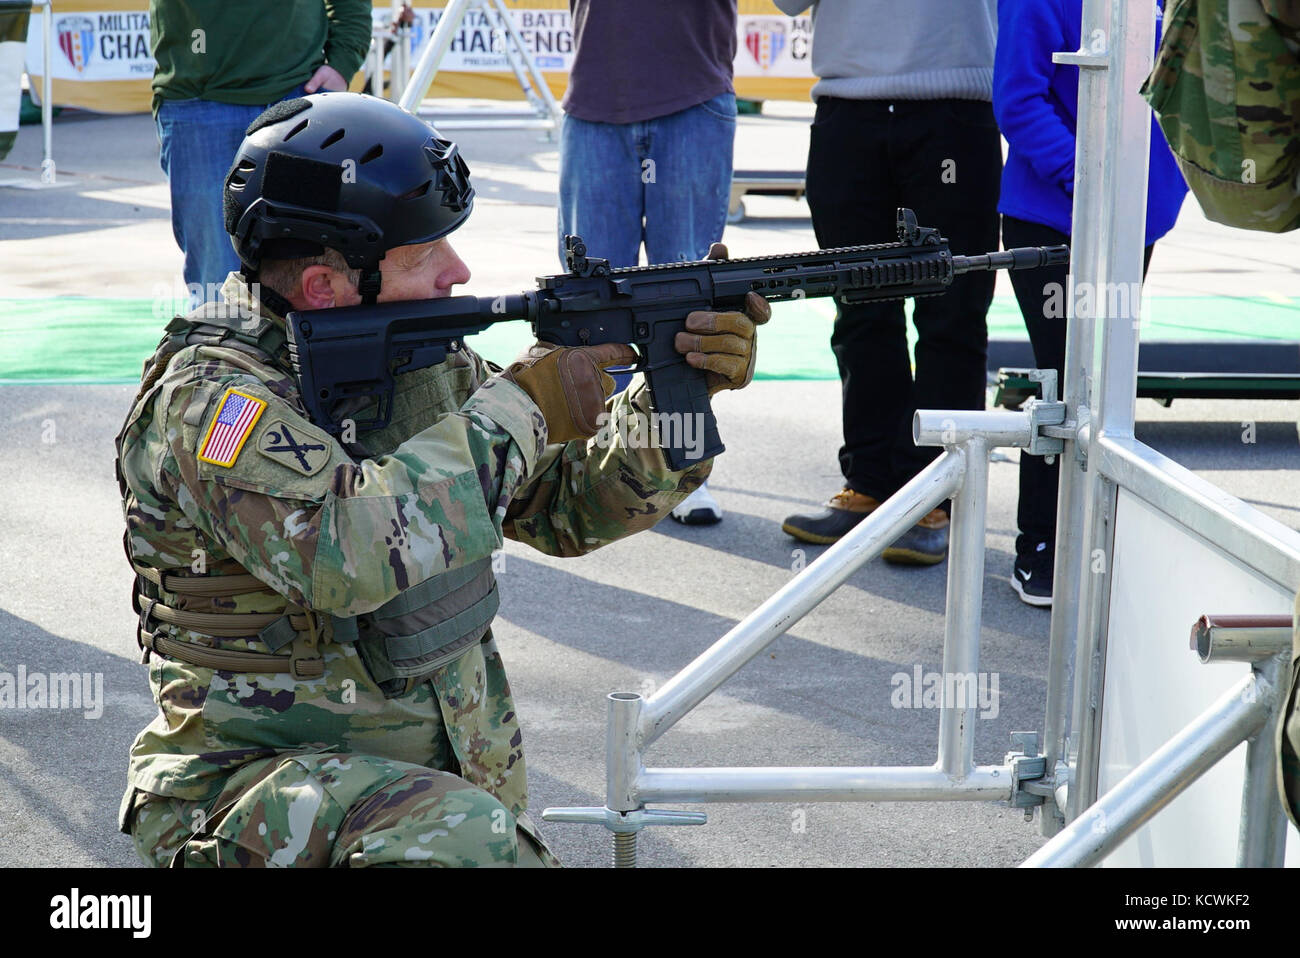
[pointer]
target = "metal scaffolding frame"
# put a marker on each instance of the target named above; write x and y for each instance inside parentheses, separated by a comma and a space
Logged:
(635, 722)
(1103, 456)
(1092, 429)
(397, 29)
(543, 111)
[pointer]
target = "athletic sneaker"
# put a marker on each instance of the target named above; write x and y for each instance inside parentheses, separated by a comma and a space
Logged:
(1031, 576)
(698, 509)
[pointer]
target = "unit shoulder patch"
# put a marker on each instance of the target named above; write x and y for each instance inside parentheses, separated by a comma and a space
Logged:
(237, 414)
(293, 446)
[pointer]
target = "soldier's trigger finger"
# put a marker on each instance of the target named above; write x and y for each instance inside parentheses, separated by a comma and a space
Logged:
(612, 354)
(737, 324)
(606, 355)
(726, 343)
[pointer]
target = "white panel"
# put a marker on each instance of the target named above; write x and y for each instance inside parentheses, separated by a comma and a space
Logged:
(1165, 578)
(11, 84)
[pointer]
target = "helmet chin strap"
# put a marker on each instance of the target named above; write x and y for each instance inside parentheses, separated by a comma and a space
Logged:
(369, 286)
(371, 280)
(265, 295)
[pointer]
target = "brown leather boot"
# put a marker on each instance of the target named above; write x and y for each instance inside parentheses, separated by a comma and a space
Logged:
(926, 543)
(844, 511)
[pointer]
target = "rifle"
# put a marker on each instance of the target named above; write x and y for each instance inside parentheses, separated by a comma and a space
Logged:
(345, 358)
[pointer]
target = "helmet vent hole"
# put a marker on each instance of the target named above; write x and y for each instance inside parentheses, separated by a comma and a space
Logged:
(236, 182)
(374, 153)
(246, 166)
(332, 139)
(296, 130)
(418, 192)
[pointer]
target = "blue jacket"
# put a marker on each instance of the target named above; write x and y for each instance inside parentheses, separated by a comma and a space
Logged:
(1036, 102)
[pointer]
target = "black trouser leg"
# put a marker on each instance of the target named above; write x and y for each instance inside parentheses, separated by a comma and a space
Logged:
(942, 159)
(1039, 292)
(850, 193)
(950, 155)
(1043, 297)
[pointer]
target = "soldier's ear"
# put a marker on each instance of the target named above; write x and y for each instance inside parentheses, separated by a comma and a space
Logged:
(316, 287)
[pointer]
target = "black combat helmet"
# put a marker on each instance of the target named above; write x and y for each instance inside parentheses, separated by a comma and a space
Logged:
(346, 171)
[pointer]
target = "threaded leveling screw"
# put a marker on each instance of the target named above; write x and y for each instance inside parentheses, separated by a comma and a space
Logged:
(625, 849)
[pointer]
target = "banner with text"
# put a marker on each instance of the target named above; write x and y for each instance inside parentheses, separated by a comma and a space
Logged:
(102, 62)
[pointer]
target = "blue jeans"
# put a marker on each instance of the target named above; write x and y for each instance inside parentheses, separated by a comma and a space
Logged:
(198, 141)
(664, 182)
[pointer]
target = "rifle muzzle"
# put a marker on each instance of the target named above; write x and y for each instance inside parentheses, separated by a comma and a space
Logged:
(1029, 257)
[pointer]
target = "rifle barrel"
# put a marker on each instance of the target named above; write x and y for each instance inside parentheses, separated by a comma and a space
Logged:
(1031, 257)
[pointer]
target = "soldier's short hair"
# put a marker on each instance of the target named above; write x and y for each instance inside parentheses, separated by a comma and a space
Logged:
(283, 275)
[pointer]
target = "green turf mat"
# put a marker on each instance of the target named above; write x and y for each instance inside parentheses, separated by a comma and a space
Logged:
(71, 339)
(89, 340)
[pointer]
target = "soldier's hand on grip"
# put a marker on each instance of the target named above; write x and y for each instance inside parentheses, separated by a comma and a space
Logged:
(569, 385)
(724, 343)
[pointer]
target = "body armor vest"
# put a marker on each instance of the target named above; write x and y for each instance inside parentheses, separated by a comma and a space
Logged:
(403, 641)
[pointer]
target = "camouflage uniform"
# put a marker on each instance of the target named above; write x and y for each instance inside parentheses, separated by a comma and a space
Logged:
(1224, 87)
(324, 763)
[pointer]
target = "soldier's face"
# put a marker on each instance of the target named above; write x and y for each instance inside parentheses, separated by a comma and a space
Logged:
(419, 271)
(422, 271)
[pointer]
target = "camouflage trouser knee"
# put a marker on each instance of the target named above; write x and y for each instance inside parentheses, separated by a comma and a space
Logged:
(336, 810)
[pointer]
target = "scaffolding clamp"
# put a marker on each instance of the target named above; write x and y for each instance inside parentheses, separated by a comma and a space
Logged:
(1030, 784)
(1047, 426)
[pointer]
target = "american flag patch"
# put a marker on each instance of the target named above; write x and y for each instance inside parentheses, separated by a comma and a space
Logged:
(236, 416)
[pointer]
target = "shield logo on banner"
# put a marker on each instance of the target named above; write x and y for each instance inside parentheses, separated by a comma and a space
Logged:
(77, 41)
(765, 41)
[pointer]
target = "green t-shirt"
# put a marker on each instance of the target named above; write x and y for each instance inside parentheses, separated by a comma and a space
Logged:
(252, 51)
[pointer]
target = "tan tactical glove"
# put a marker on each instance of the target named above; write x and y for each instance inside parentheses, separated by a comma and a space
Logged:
(730, 349)
(569, 385)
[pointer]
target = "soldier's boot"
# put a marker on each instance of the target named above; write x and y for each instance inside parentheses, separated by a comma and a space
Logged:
(844, 511)
(926, 543)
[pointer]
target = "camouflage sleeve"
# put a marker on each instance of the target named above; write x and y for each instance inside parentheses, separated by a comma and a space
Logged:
(584, 495)
(331, 533)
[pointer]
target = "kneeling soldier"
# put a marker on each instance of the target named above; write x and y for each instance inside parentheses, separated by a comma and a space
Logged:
(316, 611)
